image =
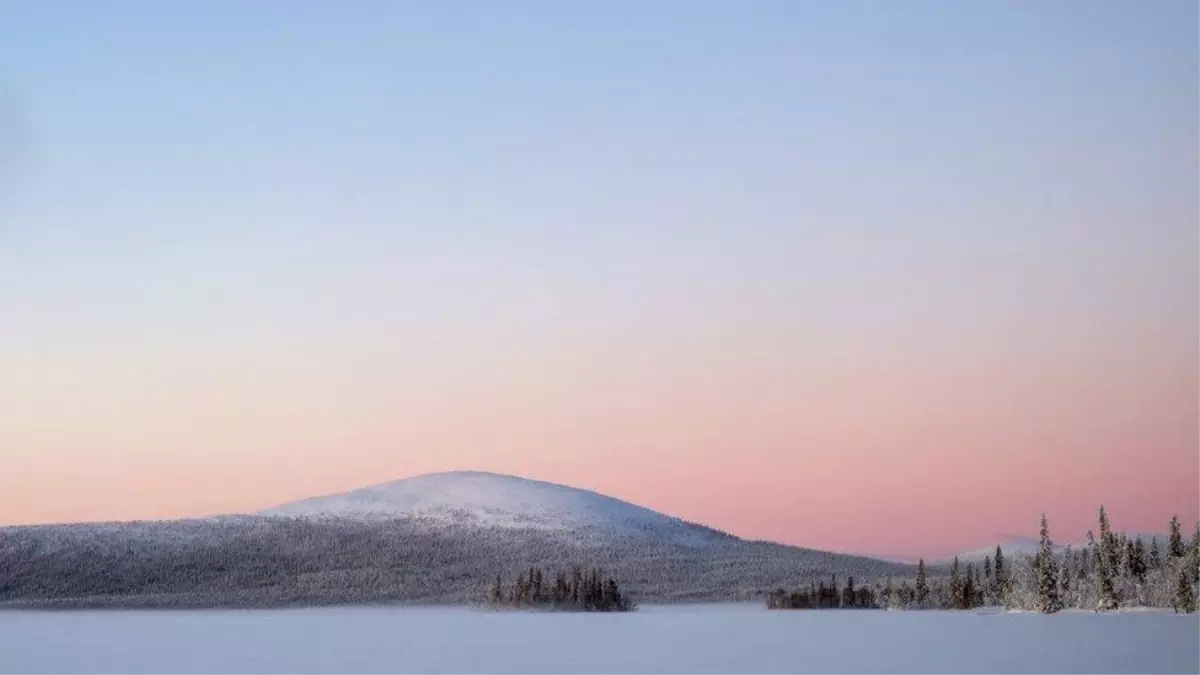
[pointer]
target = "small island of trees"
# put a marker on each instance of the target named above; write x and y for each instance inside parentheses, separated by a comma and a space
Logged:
(574, 591)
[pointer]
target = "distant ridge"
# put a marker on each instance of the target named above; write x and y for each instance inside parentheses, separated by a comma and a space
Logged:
(1010, 545)
(1023, 545)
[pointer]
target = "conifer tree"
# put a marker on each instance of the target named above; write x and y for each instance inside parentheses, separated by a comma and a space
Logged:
(496, 594)
(1175, 544)
(968, 588)
(1137, 561)
(922, 587)
(1105, 533)
(1155, 560)
(1064, 580)
(999, 578)
(1106, 592)
(1127, 556)
(977, 590)
(955, 585)
(1196, 555)
(1048, 598)
(1110, 546)
(985, 587)
(1185, 596)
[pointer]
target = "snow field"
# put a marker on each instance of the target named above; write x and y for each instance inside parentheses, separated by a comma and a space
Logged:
(657, 639)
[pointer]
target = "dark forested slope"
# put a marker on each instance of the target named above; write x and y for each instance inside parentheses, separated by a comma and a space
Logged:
(272, 561)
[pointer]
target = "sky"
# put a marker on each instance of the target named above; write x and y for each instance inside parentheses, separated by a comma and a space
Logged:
(882, 277)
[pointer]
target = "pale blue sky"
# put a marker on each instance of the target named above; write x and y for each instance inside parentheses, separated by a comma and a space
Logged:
(365, 134)
(295, 143)
(340, 193)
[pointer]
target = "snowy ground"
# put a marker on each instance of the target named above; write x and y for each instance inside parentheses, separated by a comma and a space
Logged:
(693, 639)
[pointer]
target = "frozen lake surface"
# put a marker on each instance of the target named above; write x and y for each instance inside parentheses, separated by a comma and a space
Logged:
(675, 639)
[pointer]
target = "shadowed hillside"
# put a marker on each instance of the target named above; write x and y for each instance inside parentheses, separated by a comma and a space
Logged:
(264, 561)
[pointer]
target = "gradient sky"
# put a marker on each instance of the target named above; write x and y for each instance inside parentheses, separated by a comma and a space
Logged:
(888, 277)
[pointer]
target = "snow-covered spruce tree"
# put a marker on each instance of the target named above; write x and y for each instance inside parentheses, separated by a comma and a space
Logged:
(1127, 555)
(1137, 561)
(922, 587)
(1114, 548)
(1066, 589)
(1185, 595)
(1195, 566)
(1155, 559)
(496, 594)
(1123, 580)
(956, 584)
(943, 597)
(1023, 580)
(1096, 580)
(968, 587)
(1049, 601)
(999, 578)
(977, 598)
(1106, 593)
(987, 578)
(1175, 548)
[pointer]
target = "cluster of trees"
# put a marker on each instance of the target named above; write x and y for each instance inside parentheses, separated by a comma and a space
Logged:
(962, 588)
(1112, 571)
(822, 596)
(574, 591)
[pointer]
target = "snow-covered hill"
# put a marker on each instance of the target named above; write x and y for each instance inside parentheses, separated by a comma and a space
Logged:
(1021, 545)
(435, 538)
(488, 500)
(1012, 545)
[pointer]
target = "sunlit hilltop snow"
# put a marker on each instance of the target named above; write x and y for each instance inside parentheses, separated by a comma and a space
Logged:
(482, 498)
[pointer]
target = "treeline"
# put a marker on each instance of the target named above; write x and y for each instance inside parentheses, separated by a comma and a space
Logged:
(961, 589)
(1110, 572)
(576, 591)
(820, 596)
